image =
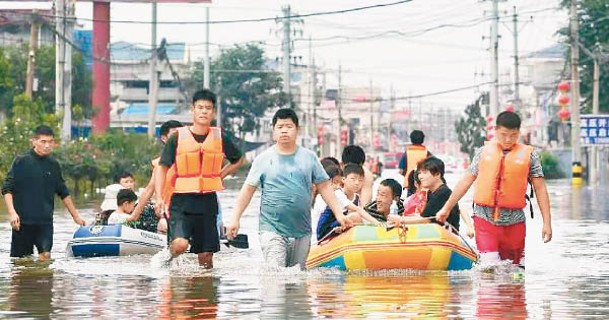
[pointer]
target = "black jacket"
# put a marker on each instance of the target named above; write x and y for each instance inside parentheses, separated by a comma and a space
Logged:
(34, 180)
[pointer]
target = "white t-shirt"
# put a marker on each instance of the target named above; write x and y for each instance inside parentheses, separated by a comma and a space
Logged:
(343, 200)
(318, 206)
(118, 218)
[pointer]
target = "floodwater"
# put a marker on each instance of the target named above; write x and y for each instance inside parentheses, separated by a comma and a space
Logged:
(566, 278)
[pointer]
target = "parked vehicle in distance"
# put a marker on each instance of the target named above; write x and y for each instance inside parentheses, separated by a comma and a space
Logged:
(392, 159)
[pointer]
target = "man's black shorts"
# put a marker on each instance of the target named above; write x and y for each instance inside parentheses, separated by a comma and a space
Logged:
(30, 235)
(198, 228)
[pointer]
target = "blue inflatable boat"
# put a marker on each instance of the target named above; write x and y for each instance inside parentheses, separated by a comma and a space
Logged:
(114, 240)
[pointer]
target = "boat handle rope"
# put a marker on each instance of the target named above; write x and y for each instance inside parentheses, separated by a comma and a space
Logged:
(452, 229)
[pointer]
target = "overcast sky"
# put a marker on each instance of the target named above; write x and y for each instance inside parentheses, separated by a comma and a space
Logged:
(417, 47)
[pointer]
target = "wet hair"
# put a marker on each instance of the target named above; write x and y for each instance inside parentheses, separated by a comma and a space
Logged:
(125, 195)
(353, 154)
(417, 137)
(396, 187)
(508, 120)
(353, 168)
(433, 165)
(122, 175)
(43, 130)
(168, 125)
(204, 94)
(328, 161)
(285, 113)
(333, 171)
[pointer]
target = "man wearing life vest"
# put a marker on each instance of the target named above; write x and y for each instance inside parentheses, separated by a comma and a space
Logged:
(502, 169)
(415, 153)
(196, 155)
(167, 129)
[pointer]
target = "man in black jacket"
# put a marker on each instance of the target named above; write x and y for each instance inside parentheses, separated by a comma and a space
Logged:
(29, 188)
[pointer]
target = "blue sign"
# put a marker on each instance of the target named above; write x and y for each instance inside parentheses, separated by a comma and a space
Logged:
(594, 129)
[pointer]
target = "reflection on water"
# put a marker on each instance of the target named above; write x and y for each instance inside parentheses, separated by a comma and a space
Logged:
(566, 278)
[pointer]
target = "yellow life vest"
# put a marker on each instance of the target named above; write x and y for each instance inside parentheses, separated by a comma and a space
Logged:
(414, 154)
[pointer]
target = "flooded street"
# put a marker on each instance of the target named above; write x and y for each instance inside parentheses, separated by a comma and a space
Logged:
(566, 278)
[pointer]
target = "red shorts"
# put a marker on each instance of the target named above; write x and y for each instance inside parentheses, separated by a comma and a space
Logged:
(508, 241)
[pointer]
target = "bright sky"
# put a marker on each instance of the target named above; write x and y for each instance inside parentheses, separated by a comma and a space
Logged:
(415, 48)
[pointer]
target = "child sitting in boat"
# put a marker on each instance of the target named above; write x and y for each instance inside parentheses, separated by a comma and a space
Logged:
(388, 196)
(125, 202)
(415, 204)
(352, 178)
(146, 221)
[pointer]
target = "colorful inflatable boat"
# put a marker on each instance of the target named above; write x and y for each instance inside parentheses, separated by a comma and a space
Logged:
(114, 240)
(417, 246)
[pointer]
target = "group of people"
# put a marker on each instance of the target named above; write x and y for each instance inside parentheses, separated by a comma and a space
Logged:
(195, 160)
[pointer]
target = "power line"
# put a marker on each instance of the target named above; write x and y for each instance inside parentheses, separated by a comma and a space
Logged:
(296, 16)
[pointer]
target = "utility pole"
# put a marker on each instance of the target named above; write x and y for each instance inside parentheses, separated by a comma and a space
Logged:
(575, 125)
(371, 117)
(63, 66)
(153, 84)
(339, 106)
(31, 61)
(311, 93)
(516, 71)
(594, 163)
(206, 84)
(287, 48)
(494, 94)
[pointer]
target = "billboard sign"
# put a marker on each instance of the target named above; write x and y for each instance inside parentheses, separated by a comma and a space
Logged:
(594, 130)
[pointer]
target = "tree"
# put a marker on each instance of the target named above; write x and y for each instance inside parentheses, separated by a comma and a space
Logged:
(246, 88)
(45, 74)
(471, 129)
(18, 128)
(593, 35)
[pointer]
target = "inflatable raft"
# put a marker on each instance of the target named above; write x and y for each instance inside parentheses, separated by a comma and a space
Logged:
(114, 240)
(417, 246)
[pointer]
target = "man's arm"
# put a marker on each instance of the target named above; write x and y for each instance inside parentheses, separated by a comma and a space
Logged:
(326, 192)
(243, 200)
(460, 190)
(67, 202)
(231, 168)
(366, 192)
(12, 213)
(543, 200)
(143, 200)
(160, 174)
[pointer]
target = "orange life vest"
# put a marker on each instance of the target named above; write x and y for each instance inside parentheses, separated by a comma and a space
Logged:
(502, 178)
(197, 165)
(414, 154)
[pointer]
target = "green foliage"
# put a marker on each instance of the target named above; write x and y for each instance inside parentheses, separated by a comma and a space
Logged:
(551, 166)
(593, 34)
(471, 129)
(16, 58)
(246, 87)
(18, 128)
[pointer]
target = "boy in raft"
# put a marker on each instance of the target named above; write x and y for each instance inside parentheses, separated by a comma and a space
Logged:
(502, 169)
(125, 202)
(352, 178)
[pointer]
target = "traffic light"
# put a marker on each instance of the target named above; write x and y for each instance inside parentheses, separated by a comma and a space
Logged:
(344, 137)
